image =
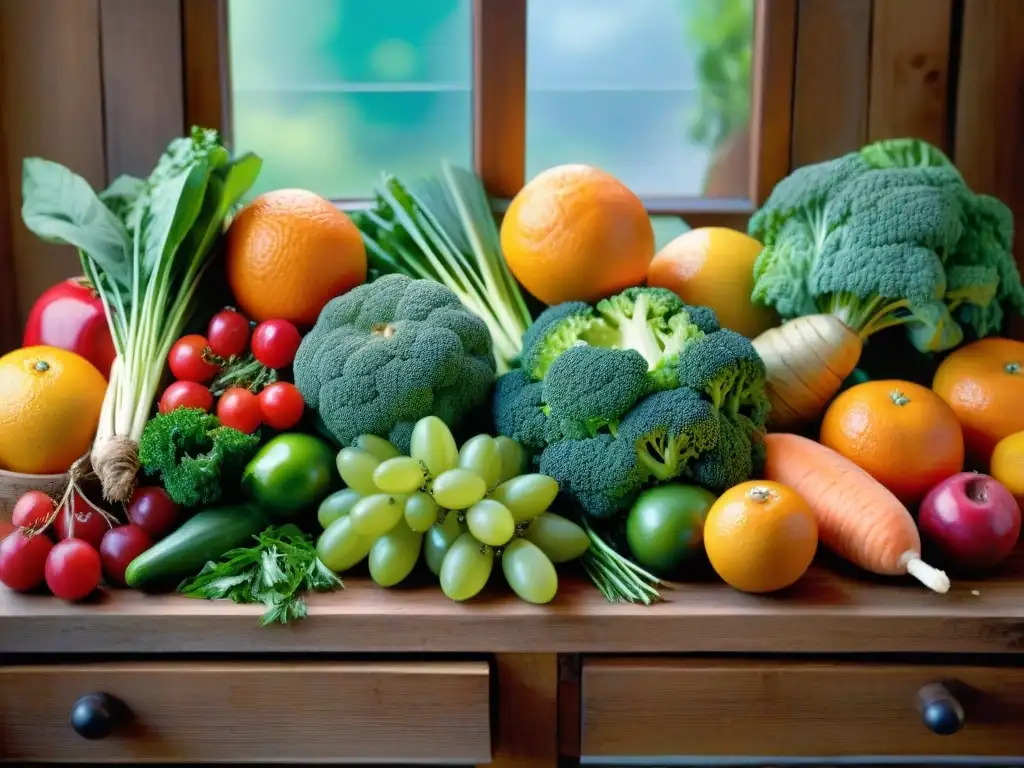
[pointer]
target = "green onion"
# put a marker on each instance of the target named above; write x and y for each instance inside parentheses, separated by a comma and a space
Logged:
(617, 578)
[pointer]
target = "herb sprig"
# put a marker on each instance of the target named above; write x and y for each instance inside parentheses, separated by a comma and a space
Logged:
(275, 572)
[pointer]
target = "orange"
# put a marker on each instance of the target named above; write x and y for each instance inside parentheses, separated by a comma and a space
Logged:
(576, 233)
(288, 253)
(760, 536)
(984, 383)
(1007, 465)
(50, 402)
(714, 267)
(902, 434)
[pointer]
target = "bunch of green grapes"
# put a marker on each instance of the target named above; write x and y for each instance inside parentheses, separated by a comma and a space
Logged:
(459, 509)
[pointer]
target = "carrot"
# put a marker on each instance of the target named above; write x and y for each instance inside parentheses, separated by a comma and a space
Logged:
(807, 359)
(858, 518)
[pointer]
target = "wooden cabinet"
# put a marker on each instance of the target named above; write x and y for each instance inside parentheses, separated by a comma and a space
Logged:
(363, 712)
(662, 707)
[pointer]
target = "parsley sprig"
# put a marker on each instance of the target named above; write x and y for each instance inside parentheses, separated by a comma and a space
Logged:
(275, 572)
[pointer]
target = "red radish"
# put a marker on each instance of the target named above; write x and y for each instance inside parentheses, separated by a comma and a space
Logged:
(32, 510)
(119, 547)
(152, 510)
(228, 333)
(73, 569)
(972, 520)
(23, 560)
(80, 519)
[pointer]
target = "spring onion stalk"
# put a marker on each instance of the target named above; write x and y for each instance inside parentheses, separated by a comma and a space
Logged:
(442, 229)
(617, 578)
(145, 246)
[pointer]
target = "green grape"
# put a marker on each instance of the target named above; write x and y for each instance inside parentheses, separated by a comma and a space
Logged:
(529, 572)
(458, 489)
(376, 446)
(438, 541)
(338, 504)
(401, 474)
(558, 538)
(526, 496)
(466, 568)
(420, 511)
(433, 444)
(356, 468)
(373, 516)
(513, 458)
(341, 546)
(480, 455)
(394, 555)
(490, 522)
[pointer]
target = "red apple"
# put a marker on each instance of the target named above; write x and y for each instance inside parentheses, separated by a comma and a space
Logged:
(971, 520)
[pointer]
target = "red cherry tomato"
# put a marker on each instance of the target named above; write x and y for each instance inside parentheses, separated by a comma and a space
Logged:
(186, 359)
(228, 333)
(282, 405)
(32, 510)
(240, 409)
(186, 394)
(152, 510)
(275, 342)
(73, 569)
(86, 523)
(23, 560)
(119, 547)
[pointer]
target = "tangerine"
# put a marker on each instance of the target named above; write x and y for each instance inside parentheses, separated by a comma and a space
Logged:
(1007, 465)
(50, 402)
(760, 536)
(576, 233)
(984, 383)
(902, 434)
(288, 253)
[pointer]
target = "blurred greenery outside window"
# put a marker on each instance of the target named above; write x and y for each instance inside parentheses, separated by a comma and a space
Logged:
(332, 92)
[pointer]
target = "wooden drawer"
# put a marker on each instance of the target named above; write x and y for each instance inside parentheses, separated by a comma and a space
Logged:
(639, 708)
(401, 712)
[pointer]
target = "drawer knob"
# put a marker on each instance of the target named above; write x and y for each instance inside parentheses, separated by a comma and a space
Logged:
(941, 713)
(96, 715)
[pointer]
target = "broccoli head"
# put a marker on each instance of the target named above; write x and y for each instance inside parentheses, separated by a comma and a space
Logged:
(738, 456)
(388, 353)
(194, 456)
(519, 410)
(725, 368)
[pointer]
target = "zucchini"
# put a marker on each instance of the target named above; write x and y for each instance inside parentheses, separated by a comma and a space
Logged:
(205, 536)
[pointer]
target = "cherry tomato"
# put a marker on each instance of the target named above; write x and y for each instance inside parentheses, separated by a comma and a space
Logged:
(32, 510)
(119, 547)
(23, 560)
(228, 333)
(281, 405)
(240, 409)
(152, 510)
(186, 359)
(86, 523)
(186, 394)
(73, 569)
(275, 342)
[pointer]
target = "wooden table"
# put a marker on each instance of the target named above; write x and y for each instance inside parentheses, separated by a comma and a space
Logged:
(838, 666)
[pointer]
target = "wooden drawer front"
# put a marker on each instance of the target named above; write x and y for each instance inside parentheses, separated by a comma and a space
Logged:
(402, 712)
(674, 707)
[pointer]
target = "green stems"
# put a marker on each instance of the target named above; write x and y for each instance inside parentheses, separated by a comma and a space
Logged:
(617, 578)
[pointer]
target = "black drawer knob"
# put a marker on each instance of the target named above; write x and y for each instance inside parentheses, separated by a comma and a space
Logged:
(940, 711)
(96, 715)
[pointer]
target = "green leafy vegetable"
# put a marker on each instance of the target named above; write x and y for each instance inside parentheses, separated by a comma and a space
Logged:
(275, 572)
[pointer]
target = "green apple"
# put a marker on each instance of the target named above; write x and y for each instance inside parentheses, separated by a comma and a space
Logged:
(665, 527)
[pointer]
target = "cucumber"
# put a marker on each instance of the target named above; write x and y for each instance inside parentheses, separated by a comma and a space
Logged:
(205, 536)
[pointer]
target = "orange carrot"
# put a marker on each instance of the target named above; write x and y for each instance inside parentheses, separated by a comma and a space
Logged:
(858, 518)
(807, 360)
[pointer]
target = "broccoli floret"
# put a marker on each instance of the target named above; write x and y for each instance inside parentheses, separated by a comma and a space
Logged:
(390, 352)
(725, 368)
(602, 474)
(194, 456)
(738, 456)
(519, 410)
(588, 388)
(555, 330)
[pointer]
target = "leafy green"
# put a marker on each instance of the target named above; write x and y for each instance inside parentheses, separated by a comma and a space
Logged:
(282, 565)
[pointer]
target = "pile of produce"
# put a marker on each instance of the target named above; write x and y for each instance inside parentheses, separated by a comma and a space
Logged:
(250, 402)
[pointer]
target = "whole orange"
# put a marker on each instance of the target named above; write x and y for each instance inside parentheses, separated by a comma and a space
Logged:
(714, 267)
(900, 433)
(288, 253)
(50, 401)
(576, 233)
(760, 536)
(984, 383)
(1007, 465)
